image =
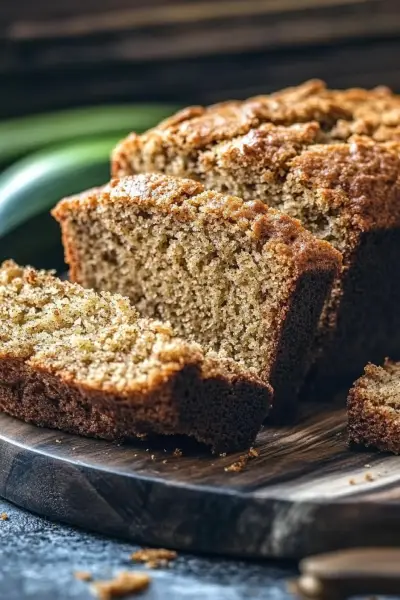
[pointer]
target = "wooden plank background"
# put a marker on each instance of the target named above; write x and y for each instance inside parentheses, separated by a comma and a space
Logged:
(69, 52)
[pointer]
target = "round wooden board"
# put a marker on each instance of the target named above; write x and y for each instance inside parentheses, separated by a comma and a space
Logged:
(305, 493)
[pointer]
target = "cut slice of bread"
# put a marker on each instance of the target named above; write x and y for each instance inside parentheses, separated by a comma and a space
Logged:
(374, 408)
(241, 279)
(87, 363)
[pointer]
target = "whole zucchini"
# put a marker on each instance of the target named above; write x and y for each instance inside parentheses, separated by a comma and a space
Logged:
(25, 134)
(36, 183)
(32, 186)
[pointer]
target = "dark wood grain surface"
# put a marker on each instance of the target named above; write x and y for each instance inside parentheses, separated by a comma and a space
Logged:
(71, 52)
(305, 493)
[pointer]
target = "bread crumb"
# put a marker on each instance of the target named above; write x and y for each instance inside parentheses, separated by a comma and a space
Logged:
(177, 452)
(237, 466)
(152, 457)
(58, 441)
(165, 462)
(352, 482)
(369, 477)
(125, 583)
(83, 575)
(4, 516)
(223, 454)
(254, 453)
(367, 466)
(154, 558)
(241, 463)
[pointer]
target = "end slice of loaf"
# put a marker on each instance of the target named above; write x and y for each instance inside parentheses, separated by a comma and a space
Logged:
(87, 363)
(374, 408)
(240, 278)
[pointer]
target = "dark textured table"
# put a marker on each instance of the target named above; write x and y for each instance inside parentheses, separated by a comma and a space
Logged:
(38, 560)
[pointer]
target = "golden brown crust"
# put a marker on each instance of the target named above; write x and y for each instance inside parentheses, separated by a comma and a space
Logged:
(198, 127)
(342, 113)
(330, 139)
(189, 200)
(267, 147)
(373, 112)
(374, 408)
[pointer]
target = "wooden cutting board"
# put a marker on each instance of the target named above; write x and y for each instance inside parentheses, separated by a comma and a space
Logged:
(306, 492)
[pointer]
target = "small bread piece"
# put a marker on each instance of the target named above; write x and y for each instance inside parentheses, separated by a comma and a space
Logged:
(87, 363)
(124, 584)
(330, 158)
(373, 408)
(241, 279)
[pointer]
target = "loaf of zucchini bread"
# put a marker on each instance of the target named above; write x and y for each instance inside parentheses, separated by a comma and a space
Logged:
(87, 363)
(330, 158)
(240, 278)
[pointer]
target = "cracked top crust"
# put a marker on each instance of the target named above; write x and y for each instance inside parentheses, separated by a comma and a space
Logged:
(342, 144)
(367, 112)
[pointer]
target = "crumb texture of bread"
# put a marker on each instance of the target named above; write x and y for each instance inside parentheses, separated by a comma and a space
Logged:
(330, 158)
(87, 363)
(374, 408)
(240, 278)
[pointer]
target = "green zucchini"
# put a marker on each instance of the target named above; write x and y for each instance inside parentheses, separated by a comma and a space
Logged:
(25, 134)
(36, 183)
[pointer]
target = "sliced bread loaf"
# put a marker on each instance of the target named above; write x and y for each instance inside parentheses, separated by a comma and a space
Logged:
(330, 158)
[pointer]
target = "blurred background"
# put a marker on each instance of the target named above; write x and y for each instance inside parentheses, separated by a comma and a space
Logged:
(78, 75)
(62, 53)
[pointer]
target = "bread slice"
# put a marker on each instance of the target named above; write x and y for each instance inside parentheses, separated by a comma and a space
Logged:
(86, 363)
(374, 408)
(241, 279)
(330, 158)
